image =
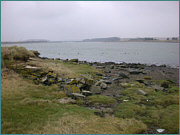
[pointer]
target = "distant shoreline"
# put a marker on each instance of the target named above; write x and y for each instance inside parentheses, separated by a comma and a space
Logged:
(168, 41)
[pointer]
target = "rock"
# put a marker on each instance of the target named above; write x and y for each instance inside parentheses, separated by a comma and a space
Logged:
(105, 78)
(165, 85)
(86, 93)
(98, 83)
(147, 78)
(60, 79)
(160, 130)
(77, 96)
(107, 110)
(112, 66)
(95, 89)
(115, 79)
(141, 92)
(103, 85)
(98, 74)
(69, 89)
(107, 82)
(33, 69)
(157, 88)
(52, 80)
(87, 79)
(135, 72)
(44, 79)
(140, 81)
(124, 84)
(44, 58)
(125, 100)
(71, 81)
(123, 75)
(107, 70)
(73, 60)
(147, 83)
(100, 67)
(66, 100)
(123, 66)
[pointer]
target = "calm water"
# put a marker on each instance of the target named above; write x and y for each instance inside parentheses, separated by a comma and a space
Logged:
(130, 52)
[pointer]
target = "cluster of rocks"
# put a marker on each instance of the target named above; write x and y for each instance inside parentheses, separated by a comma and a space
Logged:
(82, 87)
(39, 75)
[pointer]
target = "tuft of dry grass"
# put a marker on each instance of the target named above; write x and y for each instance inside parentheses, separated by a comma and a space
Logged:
(93, 125)
(16, 53)
(59, 67)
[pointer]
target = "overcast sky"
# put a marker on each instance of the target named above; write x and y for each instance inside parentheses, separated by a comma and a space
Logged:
(77, 20)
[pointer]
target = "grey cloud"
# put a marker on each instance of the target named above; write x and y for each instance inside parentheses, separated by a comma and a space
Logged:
(76, 20)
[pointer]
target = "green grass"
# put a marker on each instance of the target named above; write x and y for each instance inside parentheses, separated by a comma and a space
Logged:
(101, 99)
(80, 69)
(160, 109)
(27, 108)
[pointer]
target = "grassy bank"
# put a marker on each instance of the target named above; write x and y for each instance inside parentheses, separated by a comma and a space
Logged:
(27, 108)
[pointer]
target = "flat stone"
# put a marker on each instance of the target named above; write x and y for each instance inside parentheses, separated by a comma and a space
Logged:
(135, 72)
(123, 75)
(86, 93)
(78, 95)
(141, 92)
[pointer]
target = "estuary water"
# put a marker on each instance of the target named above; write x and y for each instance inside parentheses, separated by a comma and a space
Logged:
(158, 53)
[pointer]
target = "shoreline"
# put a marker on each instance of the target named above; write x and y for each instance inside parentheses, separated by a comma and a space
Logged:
(117, 63)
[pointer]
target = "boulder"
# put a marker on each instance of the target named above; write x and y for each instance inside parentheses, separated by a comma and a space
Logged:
(69, 89)
(98, 83)
(66, 100)
(123, 75)
(141, 92)
(87, 79)
(157, 88)
(165, 85)
(95, 90)
(107, 70)
(103, 85)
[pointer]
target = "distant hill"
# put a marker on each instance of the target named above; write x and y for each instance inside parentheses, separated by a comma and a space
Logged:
(102, 39)
(36, 40)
